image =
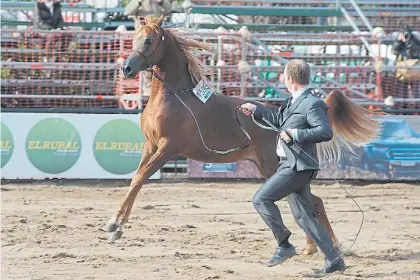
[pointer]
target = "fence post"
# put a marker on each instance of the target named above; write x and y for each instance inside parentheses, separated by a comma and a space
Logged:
(219, 61)
(243, 58)
(186, 5)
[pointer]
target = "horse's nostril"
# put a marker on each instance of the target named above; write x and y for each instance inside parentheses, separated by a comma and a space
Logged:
(127, 70)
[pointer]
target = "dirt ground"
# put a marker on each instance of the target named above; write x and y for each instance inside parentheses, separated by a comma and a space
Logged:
(198, 230)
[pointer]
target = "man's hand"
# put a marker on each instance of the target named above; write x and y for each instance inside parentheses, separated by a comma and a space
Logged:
(285, 136)
(401, 37)
(248, 108)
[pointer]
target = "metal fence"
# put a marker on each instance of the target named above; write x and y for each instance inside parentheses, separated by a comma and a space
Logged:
(81, 69)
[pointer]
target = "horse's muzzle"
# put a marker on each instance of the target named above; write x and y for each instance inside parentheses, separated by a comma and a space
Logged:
(128, 71)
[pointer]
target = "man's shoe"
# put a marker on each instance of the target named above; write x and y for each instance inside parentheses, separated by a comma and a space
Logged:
(338, 265)
(281, 255)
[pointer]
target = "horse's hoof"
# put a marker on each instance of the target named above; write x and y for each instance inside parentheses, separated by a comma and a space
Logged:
(114, 236)
(111, 226)
(310, 250)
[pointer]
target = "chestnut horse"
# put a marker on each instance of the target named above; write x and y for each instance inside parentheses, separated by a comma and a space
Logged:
(176, 122)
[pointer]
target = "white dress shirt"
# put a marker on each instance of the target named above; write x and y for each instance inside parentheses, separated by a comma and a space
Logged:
(295, 95)
(50, 6)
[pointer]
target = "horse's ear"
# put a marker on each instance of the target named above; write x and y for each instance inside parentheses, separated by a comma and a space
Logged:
(159, 20)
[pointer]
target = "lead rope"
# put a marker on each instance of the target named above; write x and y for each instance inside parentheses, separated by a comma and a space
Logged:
(198, 126)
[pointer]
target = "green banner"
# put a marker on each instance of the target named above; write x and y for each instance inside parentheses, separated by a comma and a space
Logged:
(7, 144)
(53, 145)
(118, 146)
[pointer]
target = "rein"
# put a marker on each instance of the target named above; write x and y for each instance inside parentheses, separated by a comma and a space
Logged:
(196, 122)
(156, 75)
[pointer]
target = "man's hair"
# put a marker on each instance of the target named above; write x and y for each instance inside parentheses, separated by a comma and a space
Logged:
(299, 71)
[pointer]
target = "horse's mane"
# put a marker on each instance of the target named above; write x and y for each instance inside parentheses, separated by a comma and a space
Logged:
(190, 47)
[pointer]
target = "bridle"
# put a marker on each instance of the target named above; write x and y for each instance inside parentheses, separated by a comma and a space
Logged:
(174, 92)
(148, 58)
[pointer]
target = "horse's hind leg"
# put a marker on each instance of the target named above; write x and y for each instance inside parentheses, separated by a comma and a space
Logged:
(153, 159)
(321, 216)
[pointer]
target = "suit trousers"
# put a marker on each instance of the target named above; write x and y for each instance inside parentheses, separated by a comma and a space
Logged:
(295, 186)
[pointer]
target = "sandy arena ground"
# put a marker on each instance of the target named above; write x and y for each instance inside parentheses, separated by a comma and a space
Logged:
(198, 231)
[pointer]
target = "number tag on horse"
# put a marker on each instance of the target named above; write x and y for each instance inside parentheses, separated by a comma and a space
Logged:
(202, 91)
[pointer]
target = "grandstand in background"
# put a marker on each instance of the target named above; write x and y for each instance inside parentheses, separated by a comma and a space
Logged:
(79, 69)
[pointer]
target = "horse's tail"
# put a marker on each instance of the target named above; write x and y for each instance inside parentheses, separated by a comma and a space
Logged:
(351, 126)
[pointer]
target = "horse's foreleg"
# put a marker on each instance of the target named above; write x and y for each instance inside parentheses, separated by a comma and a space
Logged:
(151, 162)
(321, 216)
(148, 152)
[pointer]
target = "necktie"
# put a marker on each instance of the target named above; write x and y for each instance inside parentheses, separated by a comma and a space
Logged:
(286, 110)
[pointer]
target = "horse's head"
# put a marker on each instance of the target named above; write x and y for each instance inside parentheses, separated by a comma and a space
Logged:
(147, 47)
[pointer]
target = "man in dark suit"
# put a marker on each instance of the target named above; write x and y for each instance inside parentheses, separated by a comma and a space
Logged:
(303, 122)
(47, 15)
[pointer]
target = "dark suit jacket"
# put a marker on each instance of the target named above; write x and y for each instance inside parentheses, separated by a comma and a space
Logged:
(409, 49)
(307, 114)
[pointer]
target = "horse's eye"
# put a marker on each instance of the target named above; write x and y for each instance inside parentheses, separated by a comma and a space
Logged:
(148, 40)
